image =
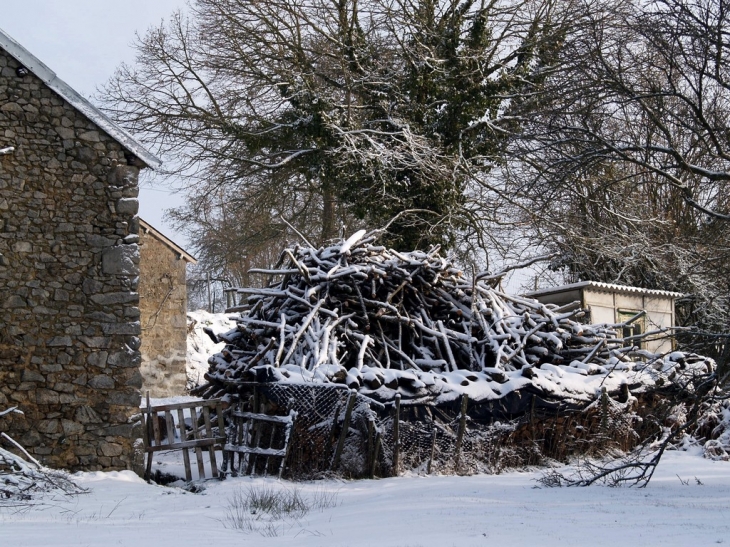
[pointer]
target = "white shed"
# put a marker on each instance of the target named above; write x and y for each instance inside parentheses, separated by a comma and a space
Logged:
(609, 303)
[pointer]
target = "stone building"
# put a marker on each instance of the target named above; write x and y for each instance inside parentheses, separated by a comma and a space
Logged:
(609, 303)
(163, 307)
(69, 270)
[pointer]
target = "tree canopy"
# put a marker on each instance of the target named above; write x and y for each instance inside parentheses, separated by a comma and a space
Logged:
(593, 131)
(328, 112)
(628, 163)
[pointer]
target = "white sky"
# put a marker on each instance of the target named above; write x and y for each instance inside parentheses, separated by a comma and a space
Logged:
(83, 41)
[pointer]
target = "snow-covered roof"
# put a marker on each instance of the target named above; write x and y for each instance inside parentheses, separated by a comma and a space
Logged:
(184, 255)
(604, 287)
(36, 66)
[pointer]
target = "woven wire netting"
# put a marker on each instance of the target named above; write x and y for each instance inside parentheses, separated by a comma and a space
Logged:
(428, 440)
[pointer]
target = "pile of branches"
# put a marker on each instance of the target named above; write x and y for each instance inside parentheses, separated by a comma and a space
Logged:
(24, 480)
(695, 410)
(382, 322)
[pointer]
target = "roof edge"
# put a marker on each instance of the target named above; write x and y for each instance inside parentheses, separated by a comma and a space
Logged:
(605, 287)
(184, 255)
(75, 99)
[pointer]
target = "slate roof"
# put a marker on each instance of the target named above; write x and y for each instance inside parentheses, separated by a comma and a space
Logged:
(169, 243)
(36, 66)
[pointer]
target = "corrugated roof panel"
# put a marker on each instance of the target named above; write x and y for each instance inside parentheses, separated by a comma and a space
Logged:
(606, 287)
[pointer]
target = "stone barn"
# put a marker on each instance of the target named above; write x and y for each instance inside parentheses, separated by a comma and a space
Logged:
(610, 303)
(163, 307)
(69, 270)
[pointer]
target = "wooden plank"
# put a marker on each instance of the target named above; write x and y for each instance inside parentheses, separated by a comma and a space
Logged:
(255, 442)
(188, 444)
(262, 417)
(211, 449)
(196, 437)
(244, 428)
(287, 441)
(183, 438)
(219, 414)
(170, 423)
(156, 428)
(240, 438)
(176, 406)
(271, 445)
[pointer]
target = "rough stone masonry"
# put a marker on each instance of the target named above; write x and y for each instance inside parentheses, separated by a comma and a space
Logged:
(69, 267)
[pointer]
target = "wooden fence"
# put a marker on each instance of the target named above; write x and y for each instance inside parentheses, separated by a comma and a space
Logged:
(166, 427)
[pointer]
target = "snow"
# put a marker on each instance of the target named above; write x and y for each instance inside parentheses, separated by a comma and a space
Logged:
(352, 240)
(368, 310)
(410, 511)
(200, 345)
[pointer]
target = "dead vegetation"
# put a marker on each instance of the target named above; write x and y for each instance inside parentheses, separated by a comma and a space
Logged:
(24, 481)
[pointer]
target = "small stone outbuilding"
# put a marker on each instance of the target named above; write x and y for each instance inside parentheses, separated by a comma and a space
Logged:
(69, 270)
(609, 303)
(163, 307)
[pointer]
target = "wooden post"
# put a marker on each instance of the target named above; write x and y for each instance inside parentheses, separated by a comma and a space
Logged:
(148, 438)
(396, 435)
(376, 453)
(532, 413)
(332, 436)
(462, 430)
(345, 428)
(433, 451)
(604, 411)
(532, 417)
(256, 400)
(371, 446)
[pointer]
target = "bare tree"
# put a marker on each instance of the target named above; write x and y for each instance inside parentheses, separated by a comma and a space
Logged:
(627, 168)
(337, 112)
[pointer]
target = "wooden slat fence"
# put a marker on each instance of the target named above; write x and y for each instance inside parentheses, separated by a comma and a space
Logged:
(194, 432)
(252, 436)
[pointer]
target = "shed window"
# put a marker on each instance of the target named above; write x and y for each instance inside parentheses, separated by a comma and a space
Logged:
(636, 327)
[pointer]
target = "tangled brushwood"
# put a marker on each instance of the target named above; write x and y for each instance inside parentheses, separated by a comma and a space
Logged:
(385, 322)
(24, 481)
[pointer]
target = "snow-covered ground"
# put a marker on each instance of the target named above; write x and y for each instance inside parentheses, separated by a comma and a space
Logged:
(687, 503)
(411, 511)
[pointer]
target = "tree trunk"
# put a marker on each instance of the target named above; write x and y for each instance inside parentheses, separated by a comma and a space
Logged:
(328, 213)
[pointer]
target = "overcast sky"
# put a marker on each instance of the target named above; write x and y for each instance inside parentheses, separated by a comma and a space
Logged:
(83, 41)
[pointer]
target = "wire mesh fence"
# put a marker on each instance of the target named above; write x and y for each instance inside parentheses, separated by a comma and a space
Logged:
(340, 432)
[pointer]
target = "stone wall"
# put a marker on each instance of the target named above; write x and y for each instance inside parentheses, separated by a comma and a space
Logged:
(163, 307)
(69, 316)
